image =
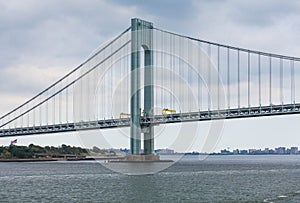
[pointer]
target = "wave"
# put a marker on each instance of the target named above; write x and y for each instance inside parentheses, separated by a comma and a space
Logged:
(289, 197)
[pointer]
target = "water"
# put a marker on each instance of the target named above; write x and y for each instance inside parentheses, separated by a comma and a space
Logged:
(217, 179)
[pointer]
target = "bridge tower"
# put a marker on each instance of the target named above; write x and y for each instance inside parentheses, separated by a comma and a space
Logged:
(141, 37)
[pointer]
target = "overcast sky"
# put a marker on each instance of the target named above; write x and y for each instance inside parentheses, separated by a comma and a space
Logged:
(40, 41)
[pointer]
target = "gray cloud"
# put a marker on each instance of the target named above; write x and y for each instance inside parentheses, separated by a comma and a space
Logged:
(262, 13)
(54, 33)
(175, 10)
(57, 29)
(41, 40)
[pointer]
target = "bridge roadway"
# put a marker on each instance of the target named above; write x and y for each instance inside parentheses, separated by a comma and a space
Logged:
(156, 120)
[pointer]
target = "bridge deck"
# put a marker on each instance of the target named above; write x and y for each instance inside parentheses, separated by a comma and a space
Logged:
(157, 120)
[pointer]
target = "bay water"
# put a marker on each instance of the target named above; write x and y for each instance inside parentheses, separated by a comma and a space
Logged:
(240, 178)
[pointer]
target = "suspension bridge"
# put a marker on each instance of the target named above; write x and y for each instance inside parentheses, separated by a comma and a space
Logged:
(147, 76)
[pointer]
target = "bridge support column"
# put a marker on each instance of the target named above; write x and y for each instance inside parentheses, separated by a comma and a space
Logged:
(141, 36)
(148, 102)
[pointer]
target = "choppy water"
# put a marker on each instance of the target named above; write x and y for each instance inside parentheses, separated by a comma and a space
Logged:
(217, 179)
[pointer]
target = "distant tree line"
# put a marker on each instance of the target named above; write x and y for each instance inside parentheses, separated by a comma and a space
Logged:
(14, 151)
(96, 150)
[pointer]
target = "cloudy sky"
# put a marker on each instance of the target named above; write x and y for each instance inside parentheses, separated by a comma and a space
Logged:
(40, 41)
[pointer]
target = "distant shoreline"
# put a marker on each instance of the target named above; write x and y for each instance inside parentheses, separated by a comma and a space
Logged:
(253, 154)
(62, 159)
(118, 157)
(27, 160)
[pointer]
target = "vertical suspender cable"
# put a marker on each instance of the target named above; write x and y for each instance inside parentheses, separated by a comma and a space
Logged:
(219, 78)
(259, 79)
(109, 81)
(165, 103)
(161, 65)
(40, 116)
(164, 73)
(102, 95)
(105, 90)
(95, 91)
(21, 121)
(173, 72)
(170, 72)
(248, 79)
(201, 76)
(53, 114)
(228, 78)
(198, 77)
(111, 59)
(180, 96)
(189, 76)
(67, 102)
(81, 96)
(47, 107)
(18, 120)
(111, 88)
(209, 77)
(18, 123)
(128, 72)
(33, 116)
(109, 78)
(9, 119)
(93, 94)
(238, 72)
(155, 53)
(15, 122)
(103, 87)
(87, 96)
(270, 80)
(281, 81)
(123, 78)
(121, 74)
(59, 105)
(28, 117)
(74, 104)
(177, 68)
(292, 82)
(185, 75)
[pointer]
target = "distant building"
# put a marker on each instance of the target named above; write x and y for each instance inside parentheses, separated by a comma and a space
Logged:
(252, 151)
(294, 150)
(125, 150)
(271, 151)
(164, 151)
(225, 152)
(280, 150)
(243, 151)
(236, 151)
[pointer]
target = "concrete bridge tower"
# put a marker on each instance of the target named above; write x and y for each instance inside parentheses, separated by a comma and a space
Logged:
(141, 38)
